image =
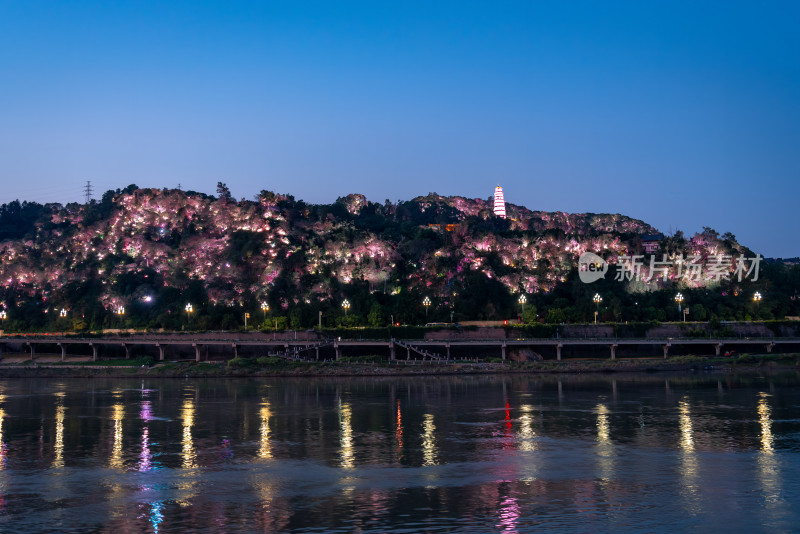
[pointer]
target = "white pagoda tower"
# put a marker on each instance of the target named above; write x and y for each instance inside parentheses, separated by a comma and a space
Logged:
(499, 202)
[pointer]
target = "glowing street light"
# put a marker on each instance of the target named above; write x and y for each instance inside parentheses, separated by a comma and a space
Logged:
(426, 302)
(597, 300)
(120, 310)
(346, 306)
(757, 299)
(522, 300)
(679, 300)
(3, 315)
(264, 309)
(62, 313)
(189, 309)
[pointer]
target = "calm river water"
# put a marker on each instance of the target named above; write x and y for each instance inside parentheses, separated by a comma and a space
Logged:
(434, 454)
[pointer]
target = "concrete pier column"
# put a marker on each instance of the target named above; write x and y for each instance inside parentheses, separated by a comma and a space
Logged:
(197, 348)
(392, 354)
(161, 350)
(32, 346)
(235, 350)
(286, 349)
(613, 347)
(316, 350)
(63, 348)
(718, 349)
(336, 351)
(503, 351)
(408, 353)
(558, 353)
(127, 351)
(94, 351)
(770, 346)
(447, 346)
(665, 348)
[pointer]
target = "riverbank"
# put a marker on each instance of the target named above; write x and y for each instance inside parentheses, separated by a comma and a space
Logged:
(277, 367)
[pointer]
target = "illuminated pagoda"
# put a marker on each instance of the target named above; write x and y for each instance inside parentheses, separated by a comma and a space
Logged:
(499, 202)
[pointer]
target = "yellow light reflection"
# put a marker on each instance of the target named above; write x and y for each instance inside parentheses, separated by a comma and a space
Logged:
(602, 425)
(765, 418)
(689, 464)
(346, 435)
(266, 448)
(58, 461)
(605, 447)
(769, 472)
(189, 454)
(685, 422)
(428, 440)
(116, 450)
(526, 434)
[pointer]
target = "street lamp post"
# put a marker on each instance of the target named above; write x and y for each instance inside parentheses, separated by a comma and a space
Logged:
(246, 317)
(426, 302)
(189, 309)
(522, 300)
(597, 300)
(757, 299)
(264, 310)
(679, 300)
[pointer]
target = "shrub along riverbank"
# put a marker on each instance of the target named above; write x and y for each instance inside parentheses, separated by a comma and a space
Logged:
(374, 366)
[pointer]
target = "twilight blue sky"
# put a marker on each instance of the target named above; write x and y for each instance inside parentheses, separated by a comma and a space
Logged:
(684, 114)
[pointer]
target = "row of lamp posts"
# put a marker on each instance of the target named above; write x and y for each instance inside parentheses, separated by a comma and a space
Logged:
(426, 302)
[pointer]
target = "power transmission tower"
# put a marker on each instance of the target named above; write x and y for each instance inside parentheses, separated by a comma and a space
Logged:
(88, 190)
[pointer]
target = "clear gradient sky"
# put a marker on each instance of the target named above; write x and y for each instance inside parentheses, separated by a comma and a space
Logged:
(684, 114)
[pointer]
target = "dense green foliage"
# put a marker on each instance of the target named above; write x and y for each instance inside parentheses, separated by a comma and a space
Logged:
(291, 265)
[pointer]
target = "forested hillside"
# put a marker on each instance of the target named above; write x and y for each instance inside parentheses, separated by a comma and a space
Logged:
(137, 257)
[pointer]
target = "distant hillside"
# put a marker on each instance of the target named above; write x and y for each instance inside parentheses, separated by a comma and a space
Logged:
(153, 251)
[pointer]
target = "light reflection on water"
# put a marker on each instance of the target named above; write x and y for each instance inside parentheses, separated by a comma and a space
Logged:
(346, 435)
(428, 440)
(189, 455)
(768, 470)
(509, 454)
(265, 450)
(689, 474)
(118, 415)
(58, 460)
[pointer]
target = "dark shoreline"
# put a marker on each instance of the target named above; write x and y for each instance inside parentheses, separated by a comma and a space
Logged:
(187, 369)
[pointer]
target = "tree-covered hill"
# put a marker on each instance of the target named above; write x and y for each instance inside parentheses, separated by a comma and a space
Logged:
(151, 252)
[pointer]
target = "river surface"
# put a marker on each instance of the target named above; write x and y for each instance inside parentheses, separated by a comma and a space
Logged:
(639, 453)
